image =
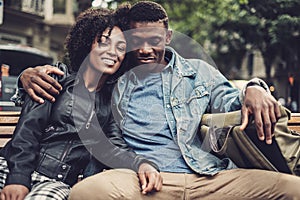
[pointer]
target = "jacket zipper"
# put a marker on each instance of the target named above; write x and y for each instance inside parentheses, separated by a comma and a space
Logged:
(88, 123)
(66, 150)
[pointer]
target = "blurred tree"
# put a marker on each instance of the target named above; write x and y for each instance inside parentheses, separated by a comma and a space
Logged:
(82, 5)
(277, 32)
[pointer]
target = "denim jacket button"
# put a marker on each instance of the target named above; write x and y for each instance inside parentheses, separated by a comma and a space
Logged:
(64, 167)
(59, 176)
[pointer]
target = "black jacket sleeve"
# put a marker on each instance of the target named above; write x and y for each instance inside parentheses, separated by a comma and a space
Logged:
(22, 150)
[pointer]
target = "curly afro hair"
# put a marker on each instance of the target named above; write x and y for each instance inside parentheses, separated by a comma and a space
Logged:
(90, 25)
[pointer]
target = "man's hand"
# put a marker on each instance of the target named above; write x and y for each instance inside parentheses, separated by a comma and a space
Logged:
(150, 178)
(37, 82)
(14, 192)
(264, 108)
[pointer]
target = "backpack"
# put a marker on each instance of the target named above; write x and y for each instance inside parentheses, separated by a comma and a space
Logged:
(221, 135)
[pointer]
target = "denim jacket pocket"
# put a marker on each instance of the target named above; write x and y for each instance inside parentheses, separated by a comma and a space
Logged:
(52, 167)
(198, 99)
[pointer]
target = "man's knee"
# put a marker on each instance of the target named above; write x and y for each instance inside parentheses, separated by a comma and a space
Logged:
(111, 184)
(288, 186)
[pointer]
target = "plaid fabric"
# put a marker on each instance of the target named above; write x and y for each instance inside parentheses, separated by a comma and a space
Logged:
(43, 188)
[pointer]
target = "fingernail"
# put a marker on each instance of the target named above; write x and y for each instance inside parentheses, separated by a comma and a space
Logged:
(261, 137)
(53, 100)
(41, 101)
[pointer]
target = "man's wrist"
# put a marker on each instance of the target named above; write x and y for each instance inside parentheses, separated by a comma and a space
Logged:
(254, 82)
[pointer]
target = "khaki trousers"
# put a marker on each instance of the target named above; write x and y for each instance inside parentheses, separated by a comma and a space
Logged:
(229, 184)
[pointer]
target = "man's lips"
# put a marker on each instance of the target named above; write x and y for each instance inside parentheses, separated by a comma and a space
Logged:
(146, 59)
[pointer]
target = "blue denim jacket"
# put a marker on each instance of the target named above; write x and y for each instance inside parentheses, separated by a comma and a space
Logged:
(191, 88)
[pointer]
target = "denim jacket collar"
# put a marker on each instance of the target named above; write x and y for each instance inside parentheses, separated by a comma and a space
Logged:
(179, 64)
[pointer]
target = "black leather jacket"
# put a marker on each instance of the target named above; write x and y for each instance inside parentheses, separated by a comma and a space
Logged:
(57, 139)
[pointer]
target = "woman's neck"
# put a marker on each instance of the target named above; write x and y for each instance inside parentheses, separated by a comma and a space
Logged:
(94, 80)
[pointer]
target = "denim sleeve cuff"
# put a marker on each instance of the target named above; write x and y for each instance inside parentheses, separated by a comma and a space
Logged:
(20, 179)
(254, 82)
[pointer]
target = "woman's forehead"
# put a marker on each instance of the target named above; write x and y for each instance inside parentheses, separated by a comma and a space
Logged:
(115, 32)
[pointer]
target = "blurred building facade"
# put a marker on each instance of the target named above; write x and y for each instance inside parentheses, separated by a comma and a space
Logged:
(42, 24)
(283, 84)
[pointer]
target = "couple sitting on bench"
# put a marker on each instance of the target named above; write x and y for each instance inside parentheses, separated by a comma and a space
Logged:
(144, 131)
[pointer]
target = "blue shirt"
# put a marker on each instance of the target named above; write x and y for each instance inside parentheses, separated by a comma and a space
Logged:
(146, 129)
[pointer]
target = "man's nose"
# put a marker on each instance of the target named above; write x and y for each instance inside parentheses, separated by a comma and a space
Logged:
(145, 48)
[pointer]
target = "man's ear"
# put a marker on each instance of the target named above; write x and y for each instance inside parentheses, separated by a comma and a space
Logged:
(169, 36)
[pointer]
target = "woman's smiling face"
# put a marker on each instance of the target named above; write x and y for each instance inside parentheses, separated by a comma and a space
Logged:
(108, 52)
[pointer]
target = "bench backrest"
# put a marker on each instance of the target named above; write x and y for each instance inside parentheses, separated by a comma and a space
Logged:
(9, 119)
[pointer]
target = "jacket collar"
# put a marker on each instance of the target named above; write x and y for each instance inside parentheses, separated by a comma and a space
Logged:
(180, 65)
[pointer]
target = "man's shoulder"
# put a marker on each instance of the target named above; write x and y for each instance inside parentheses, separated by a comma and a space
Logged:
(194, 64)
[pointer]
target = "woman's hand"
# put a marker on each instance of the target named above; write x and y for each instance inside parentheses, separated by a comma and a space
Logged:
(14, 192)
(150, 178)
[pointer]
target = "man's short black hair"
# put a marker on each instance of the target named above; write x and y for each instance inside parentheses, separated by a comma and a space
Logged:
(148, 11)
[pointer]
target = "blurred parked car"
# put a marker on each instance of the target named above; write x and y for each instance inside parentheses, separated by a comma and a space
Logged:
(13, 60)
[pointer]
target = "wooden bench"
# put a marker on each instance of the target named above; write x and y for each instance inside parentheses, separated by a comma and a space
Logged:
(294, 122)
(9, 119)
(8, 122)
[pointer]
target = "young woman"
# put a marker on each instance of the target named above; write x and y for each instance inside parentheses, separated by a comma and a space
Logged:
(54, 142)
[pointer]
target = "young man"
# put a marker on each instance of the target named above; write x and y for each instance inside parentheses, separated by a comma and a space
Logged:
(158, 105)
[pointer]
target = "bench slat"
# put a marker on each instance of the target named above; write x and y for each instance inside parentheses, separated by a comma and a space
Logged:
(295, 128)
(8, 120)
(4, 130)
(3, 141)
(295, 119)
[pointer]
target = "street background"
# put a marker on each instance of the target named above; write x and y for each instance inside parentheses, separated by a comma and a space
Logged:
(245, 38)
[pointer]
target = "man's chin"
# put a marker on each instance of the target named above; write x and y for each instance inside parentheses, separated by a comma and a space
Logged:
(147, 64)
(150, 67)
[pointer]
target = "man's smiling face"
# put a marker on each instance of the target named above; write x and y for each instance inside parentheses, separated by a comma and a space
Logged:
(147, 42)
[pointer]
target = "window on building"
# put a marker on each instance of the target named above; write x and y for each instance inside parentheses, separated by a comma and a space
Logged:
(33, 6)
(59, 6)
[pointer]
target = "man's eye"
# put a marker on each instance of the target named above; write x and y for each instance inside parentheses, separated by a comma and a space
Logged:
(154, 42)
